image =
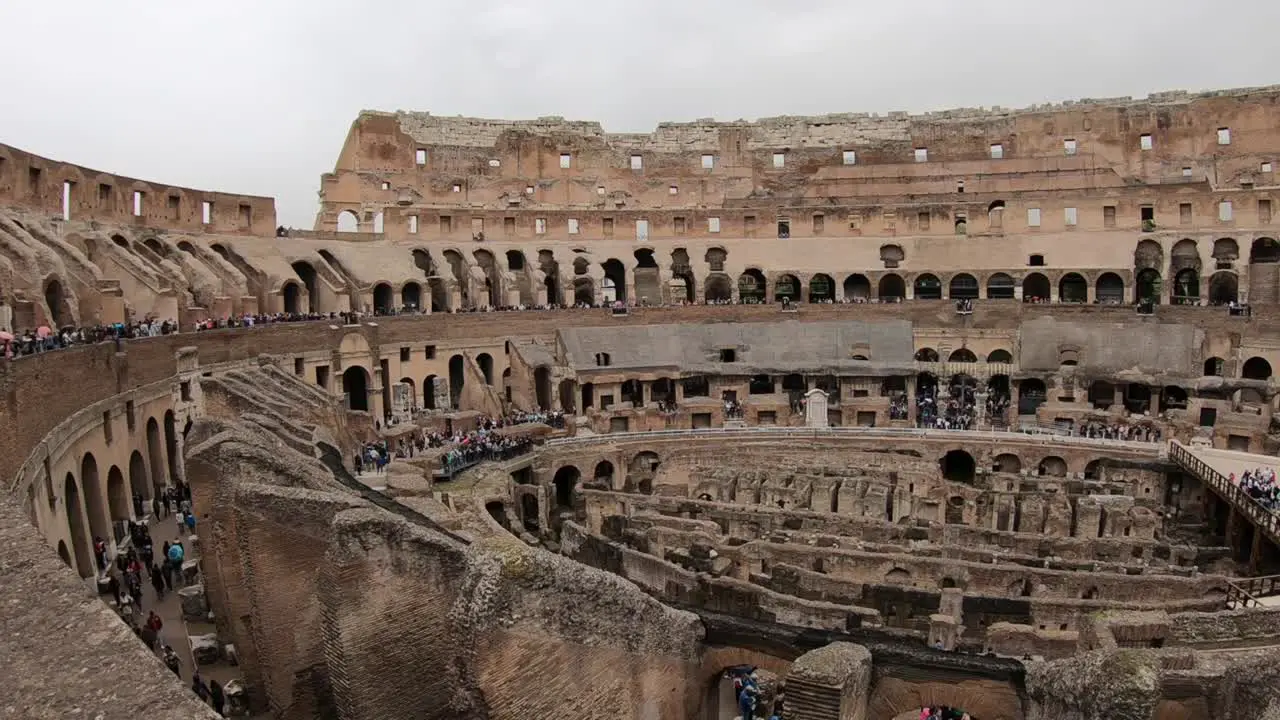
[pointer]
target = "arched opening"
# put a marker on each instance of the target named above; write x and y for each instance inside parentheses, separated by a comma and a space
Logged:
(1031, 395)
(1264, 250)
(1173, 397)
(1256, 368)
(1093, 470)
(995, 215)
(964, 287)
(1000, 286)
(857, 287)
(787, 287)
(604, 473)
(118, 497)
(492, 277)
(822, 288)
(898, 576)
(138, 481)
(95, 499)
(891, 287)
(928, 287)
(1110, 289)
(1000, 356)
(307, 274)
(719, 288)
(1223, 288)
(515, 260)
(355, 383)
(461, 272)
(171, 447)
(551, 276)
(1007, 463)
(1146, 287)
(1186, 287)
(568, 395)
(1089, 594)
(411, 296)
(429, 392)
(80, 543)
(751, 286)
(1053, 466)
(962, 355)
(290, 291)
(348, 221)
(156, 247)
(584, 292)
(485, 361)
(615, 281)
(958, 466)
(542, 387)
(566, 483)
(456, 380)
(1213, 366)
(383, 299)
(413, 391)
(1035, 288)
(155, 456)
(1102, 394)
(55, 299)
(1073, 288)
(926, 355)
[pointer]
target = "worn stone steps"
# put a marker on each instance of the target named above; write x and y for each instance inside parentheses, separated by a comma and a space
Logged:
(810, 701)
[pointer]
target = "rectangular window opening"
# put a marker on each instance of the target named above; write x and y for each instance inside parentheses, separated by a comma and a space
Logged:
(1069, 217)
(849, 157)
(413, 224)
(404, 354)
(137, 203)
(1186, 172)
(206, 212)
(33, 181)
(779, 160)
(565, 161)
(637, 162)
(749, 225)
(1266, 167)
(606, 227)
(540, 226)
(784, 229)
(430, 352)
(105, 197)
(922, 219)
(728, 355)
(446, 224)
(997, 151)
(1224, 136)
(1109, 216)
(457, 187)
(573, 226)
(67, 188)
(677, 225)
(922, 155)
(708, 162)
(1033, 217)
(1184, 213)
(420, 157)
(673, 190)
(713, 225)
(1225, 211)
(246, 216)
(477, 227)
(819, 223)
(1069, 146)
(175, 206)
(1147, 214)
(1145, 142)
(1264, 211)
(642, 230)
(509, 225)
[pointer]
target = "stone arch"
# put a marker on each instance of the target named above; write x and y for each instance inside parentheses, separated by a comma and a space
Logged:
(615, 279)
(383, 298)
(898, 576)
(413, 391)
(81, 544)
(1109, 288)
(542, 387)
(307, 274)
(457, 378)
(485, 362)
(999, 355)
(786, 287)
(1185, 254)
(891, 286)
(926, 355)
(958, 466)
(995, 214)
(928, 287)
(857, 287)
(458, 266)
(566, 485)
(1073, 288)
(291, 295)
(1148, 254)
(1035, 286)
(1256, 368)
(1052, 466)
(603, 474)
(584, 291)
(1264, 250)
(550, 268)
(822, 288)
(1226, 250)
(1007, 463)
(1213, 366)
(962, 355)
(1186, 286)
(356, 385)
(568, 395)
(492, 277)
(95, 498)
(1146, 286)
(715, 258)
(155, 456)
(1000, 286)
(1092, 469)
(348, 221)
(411, 296)
(157, 247)
(429, 392)
(891, 696)
(963, 287)
(1224, 288)
(751, 286)
(56, 299)
(119, 500)
(138, 481)
(719, 288)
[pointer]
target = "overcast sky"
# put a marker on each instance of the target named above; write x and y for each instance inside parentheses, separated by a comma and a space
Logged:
(257, 97)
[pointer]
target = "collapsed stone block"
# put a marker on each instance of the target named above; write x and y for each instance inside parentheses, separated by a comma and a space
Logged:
(206, 649)
(195, 607)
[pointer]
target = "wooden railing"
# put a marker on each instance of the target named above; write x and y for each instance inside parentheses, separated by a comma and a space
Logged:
(1248, 592)
(1266, 521)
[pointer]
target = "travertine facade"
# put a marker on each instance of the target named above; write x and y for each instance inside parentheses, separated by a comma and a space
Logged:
(868, 562)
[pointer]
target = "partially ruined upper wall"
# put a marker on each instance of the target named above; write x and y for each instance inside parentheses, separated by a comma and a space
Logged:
(36, 182)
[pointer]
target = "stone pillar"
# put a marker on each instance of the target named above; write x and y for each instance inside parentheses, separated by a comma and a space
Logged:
(944, 632)
(1153, 407)
(834, 676)
(815, 411)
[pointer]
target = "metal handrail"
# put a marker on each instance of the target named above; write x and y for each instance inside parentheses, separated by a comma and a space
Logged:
(1263, 519)
(809, 432)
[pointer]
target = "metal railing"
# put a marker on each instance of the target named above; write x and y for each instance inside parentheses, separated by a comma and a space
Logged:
(1245, 592)
(1265, 520)
(760, 433)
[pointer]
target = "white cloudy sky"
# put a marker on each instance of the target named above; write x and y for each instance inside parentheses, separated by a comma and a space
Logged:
(257, 97)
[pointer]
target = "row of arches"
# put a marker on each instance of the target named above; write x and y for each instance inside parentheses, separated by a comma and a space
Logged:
(95, 503)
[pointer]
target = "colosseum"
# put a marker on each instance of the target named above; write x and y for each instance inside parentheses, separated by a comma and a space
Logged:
(850, 417)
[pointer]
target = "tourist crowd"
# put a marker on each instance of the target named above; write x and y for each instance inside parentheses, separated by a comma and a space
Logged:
(1261, 485)
(943, 713)
(45, 339)
(1100, 430)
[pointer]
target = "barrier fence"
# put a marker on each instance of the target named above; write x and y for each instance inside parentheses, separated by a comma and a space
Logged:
(1263, 519)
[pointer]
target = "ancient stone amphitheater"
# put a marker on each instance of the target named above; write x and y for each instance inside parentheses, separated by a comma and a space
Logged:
(902, 411)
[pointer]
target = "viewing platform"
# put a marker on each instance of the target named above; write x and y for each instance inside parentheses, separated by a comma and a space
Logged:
(1257, 542)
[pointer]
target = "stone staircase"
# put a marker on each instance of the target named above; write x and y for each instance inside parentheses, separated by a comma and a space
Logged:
(810, 701)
